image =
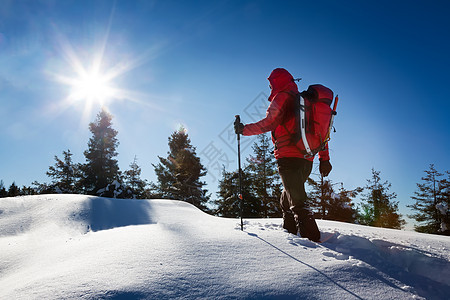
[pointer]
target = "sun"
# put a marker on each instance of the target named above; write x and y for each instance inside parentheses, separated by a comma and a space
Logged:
(91, 78)
(93, 87)
(89, 84)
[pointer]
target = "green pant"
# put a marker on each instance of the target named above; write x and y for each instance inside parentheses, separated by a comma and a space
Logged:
(294, 172)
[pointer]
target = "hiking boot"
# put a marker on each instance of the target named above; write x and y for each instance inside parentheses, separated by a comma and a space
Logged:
(308, 229)
(289, 223)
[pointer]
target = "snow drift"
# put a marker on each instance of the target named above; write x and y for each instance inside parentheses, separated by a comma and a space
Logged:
(75, 246)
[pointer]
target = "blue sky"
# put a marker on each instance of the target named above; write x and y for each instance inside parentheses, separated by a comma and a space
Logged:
(198, 63)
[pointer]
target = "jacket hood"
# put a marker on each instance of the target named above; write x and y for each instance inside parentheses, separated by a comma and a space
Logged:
(281, 80)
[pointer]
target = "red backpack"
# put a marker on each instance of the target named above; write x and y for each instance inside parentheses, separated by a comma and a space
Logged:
(315, 119)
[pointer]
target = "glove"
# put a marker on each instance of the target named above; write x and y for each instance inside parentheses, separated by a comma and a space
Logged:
(238, 127)
(325, 167)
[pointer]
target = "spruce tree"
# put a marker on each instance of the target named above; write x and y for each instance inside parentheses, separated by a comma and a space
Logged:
(13, 190)
(427, 197)
(320, 196)
(42, 188)
(101, 168)
(65, 174)
(179, 174)
(28, 190)
(313, 196)
(341, 207)
(228, 201)
(330, 205)
(444, 205)
(265, 178)
(3, 192)
(378, 207)
(132, 179)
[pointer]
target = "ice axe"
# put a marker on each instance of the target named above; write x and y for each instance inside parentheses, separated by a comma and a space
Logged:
(333, 114)
(238, 121)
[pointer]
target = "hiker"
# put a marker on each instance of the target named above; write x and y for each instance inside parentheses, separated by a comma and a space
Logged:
(294, 166)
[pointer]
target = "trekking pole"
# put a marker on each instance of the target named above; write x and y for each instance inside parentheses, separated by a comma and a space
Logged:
(238, 120)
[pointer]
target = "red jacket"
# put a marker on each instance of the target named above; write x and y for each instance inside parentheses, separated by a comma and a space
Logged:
(280, 117)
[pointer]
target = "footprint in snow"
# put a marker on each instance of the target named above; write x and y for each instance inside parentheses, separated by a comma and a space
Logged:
(338, 256)
(297, 241)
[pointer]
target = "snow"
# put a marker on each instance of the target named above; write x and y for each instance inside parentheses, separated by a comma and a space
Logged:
(84, 247)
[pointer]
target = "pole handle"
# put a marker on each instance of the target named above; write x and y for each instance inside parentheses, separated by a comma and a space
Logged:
(238, 120)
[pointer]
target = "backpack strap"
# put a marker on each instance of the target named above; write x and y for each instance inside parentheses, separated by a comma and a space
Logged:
(302, 125)
(295, 136)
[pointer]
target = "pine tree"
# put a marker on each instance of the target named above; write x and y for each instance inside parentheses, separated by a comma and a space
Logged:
(3, 192)
(228, 202)
(265, 178)
(101, 169)
(179, 174)
(28, 190)
(341, 207)
(13, 190)
(330, 205)
(379, 208)
(42, 188)
(444, 205)
(132, 179)
(153, 191)
(427, 197)
(312, 188)
(65, 174)
(320, 196)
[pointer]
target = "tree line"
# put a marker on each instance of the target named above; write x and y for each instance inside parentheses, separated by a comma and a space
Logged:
(179, 173)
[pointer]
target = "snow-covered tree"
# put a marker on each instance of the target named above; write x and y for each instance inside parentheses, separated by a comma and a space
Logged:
(430, 202)
(179, 174)
(101, 168)
(379, 208)
(116, 189)
(266, 181)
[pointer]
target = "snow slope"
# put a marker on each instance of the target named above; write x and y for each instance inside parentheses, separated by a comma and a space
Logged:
(82, 247)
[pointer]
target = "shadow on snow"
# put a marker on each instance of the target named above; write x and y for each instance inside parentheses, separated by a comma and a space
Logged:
(105, 213)
(308, 265)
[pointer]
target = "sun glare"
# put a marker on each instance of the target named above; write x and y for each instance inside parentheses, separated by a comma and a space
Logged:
(91, 87)
(92, 82)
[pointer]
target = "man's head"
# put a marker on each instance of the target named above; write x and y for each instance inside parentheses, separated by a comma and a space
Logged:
(280, 78)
